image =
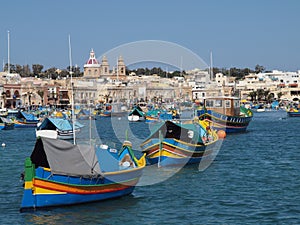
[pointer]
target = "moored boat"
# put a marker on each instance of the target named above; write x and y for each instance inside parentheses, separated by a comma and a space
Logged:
(61, 128)
(136, 114)
(161, 115)
(225, 113)
(25, 120)
(59, 173)
(293, 112)
(179, 144)
(6, 123)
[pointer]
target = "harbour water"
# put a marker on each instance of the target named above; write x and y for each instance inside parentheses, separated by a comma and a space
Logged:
(255, 179)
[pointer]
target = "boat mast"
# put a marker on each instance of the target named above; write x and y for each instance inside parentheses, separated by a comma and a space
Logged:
(211, 67)
(160, 137)
(8, 56)
(72, 92)
(117, 70)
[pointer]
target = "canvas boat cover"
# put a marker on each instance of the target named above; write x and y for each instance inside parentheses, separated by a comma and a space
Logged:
(64, 158)
(136, 112)
(27, 116)
(58, 123)
(177, 130)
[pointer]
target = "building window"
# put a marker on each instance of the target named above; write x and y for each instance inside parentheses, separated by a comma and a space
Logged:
(209, 103)
(227, 104)
(218, 103)
(236, 104)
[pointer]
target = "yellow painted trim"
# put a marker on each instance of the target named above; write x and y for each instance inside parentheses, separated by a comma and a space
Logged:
(40, 191)
(183, 142)
(165, 153)
(123, 171)
(28, 185)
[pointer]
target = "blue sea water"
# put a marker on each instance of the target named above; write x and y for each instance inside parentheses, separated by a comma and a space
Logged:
(255, 179)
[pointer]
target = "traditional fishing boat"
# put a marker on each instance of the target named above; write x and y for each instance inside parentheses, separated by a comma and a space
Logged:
(225, 113)
(85, 114)
(59, 173)
(160, 114)
(61, 128)
(6, 123)
(136, 114)
(179, 144)
(293, 112)
(25, 120)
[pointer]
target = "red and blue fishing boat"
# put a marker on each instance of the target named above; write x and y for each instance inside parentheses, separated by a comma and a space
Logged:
(59, 173)
(179, 144)
(225, 113)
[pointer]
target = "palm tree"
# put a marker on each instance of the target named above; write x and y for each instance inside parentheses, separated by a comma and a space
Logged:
(4, 98)
(253, 95)
(41, 94)
(280, 94)
(266, 94)
(260, 94)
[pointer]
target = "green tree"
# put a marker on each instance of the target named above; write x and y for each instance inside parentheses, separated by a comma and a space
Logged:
(41, 94)
(37, 69)
(253, 95)
(259, 69)
(280, 94)
(26, 71)
(19, 69)
(270, 97)
(64, 73)
(51, 73)
(260, 94)
(266, 94)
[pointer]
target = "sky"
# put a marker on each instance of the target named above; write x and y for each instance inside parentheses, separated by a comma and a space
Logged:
(238, 33)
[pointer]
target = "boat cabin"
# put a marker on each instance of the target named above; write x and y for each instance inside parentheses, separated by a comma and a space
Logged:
(226, 105)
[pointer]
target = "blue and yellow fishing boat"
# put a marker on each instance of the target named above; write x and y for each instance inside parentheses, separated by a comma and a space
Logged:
(59, 173)
(225, 113)
(25, 120)
(6, 124)
(179, 144)
(293, 112)
(161, 115)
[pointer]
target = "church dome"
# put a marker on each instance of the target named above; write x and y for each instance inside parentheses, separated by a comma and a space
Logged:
(92, 61)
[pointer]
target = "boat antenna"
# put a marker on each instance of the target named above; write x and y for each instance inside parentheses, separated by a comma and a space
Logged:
(72, 91)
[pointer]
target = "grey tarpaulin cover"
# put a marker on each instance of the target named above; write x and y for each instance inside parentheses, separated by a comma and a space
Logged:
(65, 158)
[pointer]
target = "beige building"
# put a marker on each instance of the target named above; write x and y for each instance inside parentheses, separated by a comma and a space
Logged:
(94, 70)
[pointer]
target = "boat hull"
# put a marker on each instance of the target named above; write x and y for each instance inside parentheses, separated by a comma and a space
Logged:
(48, 190)
(293, 114)
(6, 126)
(133, 118)
(230, 124)
(175, 152)
(20, 124)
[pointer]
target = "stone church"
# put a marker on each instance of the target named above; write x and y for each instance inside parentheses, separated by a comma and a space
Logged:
(93, 69)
